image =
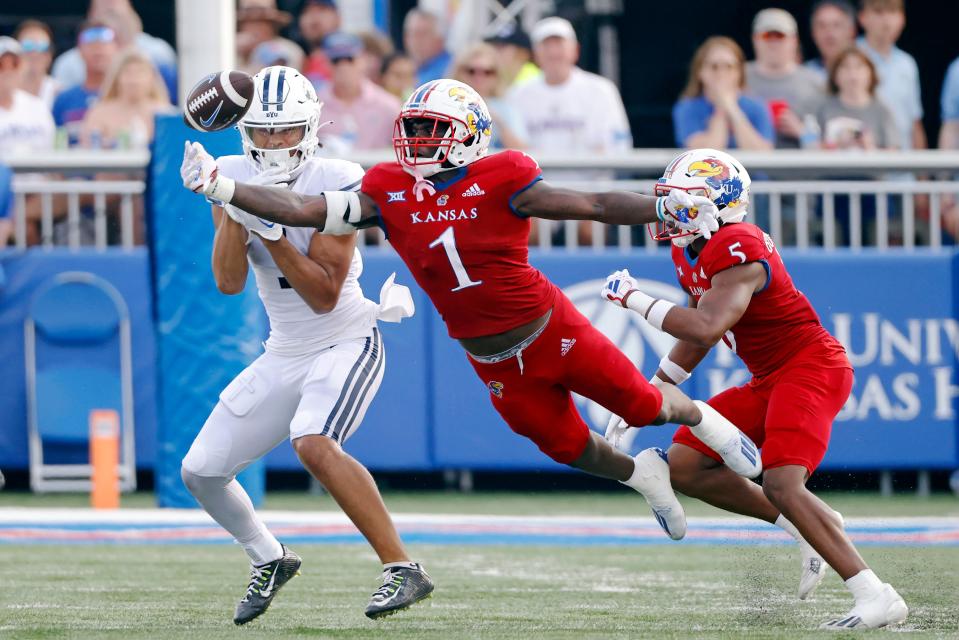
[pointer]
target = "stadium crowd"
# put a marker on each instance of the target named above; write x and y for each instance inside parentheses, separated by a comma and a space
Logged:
(854, 93)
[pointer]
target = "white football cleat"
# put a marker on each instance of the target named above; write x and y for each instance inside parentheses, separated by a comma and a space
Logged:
(737, 450)
(651, 478)
(885, 608)
(814, 568)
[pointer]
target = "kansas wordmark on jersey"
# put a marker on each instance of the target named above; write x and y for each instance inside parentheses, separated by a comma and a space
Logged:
(466, 245)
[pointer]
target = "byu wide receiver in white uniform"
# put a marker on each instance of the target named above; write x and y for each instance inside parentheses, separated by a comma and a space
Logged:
(324, 359)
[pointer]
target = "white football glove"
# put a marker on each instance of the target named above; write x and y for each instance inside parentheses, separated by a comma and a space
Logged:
(619, 284)
(198, 170)
(691, 213)
(275, 177)
(616, 430)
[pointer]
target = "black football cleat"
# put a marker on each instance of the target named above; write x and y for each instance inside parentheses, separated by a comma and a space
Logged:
(402, 587)
(265, 581)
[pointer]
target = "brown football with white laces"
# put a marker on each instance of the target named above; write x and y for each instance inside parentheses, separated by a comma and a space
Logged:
(218, 101)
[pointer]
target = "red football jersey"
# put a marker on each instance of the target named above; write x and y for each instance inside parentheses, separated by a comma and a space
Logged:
(465, 245)
(779, 320)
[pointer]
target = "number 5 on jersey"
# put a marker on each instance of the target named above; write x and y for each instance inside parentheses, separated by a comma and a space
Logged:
(448, 240)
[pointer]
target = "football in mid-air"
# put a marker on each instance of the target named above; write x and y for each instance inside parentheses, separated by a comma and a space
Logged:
(218, 100)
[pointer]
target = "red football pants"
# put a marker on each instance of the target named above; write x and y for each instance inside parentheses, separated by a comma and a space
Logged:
(789, 413)
(571, 355)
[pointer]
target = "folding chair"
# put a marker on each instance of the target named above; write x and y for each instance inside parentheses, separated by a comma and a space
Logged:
(78, 359)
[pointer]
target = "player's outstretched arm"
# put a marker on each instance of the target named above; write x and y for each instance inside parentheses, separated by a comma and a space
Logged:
(332, 212)
(543, 200)
(680, 209)
(718, 310)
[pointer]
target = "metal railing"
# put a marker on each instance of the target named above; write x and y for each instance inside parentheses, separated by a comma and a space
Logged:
(794, 210)
(79, 205)
(809, 208)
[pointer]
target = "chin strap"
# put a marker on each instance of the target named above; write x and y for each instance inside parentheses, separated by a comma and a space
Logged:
(421, 185)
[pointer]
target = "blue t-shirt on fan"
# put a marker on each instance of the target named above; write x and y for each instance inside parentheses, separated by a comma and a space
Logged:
(691, 115)
(70, 107)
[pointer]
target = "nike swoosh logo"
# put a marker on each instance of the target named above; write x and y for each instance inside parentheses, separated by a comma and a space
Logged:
(268, 225)
(208, 121)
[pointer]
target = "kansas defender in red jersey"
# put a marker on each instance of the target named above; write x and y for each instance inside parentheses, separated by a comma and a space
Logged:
(741, 293)
(461, 225)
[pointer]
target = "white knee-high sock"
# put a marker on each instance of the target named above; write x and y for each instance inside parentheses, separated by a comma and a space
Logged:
(230, 506)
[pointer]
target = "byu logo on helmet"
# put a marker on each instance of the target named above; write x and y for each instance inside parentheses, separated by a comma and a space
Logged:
(280, 128)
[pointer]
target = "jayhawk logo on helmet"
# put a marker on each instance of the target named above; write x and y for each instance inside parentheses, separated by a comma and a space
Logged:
(718, 178)
(476, 120)
(460, 93)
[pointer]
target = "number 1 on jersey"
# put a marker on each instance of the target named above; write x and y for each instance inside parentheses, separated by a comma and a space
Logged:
(448, 240)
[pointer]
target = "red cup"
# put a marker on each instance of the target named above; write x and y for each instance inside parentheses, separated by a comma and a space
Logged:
(778, 108)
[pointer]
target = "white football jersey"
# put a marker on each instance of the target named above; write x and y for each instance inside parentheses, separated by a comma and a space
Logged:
(294, 327)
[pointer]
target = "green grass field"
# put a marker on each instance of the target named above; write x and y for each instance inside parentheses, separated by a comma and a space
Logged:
(668, 591)
(621, 502)
(526, 592)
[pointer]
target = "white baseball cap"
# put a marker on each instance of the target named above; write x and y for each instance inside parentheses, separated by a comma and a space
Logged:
(552, 27)
(778, 20)
(10, 45)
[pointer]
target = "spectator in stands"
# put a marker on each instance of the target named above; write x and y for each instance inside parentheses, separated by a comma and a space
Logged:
(949, 139)
(476, 66)
(69, 67)
(791, 91)
(278, 51)
(97, 46)
(424, 42)
(376, 47)
(133, 94)
(316, 20)
(6, 220)
(833, 31)
(569, 110)
(36, 41)
(398, 75)
(362, 112)
(852, 116)
(25, 121)
(257, 21)
(712, 111)
(514, 55)
(883, 22)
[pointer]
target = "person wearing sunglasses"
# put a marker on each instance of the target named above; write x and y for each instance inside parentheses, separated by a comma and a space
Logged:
(36, 41)
(97, 44)
(791, 90)
(25, 122)
(476, 66)
(713, 111)
(362, 112)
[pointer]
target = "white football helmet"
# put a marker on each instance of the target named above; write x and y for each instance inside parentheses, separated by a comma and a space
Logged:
(444, 124)
(704, 172)
(282, 99)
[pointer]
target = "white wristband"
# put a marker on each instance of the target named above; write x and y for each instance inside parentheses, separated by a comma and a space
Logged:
(222, 189)
(343, 211)
(653, 309)
(676, 373)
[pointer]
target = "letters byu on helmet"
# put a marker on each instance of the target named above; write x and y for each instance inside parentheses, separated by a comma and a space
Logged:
(282, 99)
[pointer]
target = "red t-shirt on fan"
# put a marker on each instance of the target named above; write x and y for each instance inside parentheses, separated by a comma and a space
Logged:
(465, 245)
(779, 321)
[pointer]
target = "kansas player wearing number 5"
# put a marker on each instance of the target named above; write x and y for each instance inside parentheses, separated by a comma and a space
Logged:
(741, 293)
(459, 219)
(324, 359)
